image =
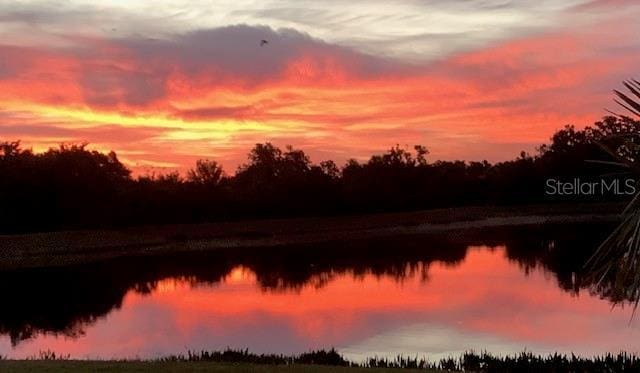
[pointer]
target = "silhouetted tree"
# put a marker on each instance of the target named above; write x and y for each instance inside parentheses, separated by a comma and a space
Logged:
(72, 187)
(207, 172)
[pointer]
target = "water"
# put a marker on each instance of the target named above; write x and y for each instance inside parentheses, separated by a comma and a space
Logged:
(501, 290)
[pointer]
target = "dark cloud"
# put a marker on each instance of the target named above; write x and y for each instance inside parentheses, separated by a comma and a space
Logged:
(109, 85)
(98, 134)
(134, 71)
(138, 147)
(236, 50)
(14, 61)
(6, 70)
(16, 131)
(23, 14)
(131, 73)
(215, 112)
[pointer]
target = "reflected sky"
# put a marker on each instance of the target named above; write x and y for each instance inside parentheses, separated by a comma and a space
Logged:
(485, 302)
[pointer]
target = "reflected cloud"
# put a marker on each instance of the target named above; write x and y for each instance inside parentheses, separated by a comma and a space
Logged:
(516, 291)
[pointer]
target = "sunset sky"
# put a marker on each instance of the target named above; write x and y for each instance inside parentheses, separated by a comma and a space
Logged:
(164, 83)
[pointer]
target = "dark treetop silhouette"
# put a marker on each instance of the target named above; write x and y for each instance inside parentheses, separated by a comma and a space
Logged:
(74, 188)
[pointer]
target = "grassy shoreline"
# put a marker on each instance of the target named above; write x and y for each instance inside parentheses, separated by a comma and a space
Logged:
(331, 361)
(142, 366)
(78, 247)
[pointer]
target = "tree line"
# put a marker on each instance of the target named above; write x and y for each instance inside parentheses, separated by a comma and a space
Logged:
(71, 187)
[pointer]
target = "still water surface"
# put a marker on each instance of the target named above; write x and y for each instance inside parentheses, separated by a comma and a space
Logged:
(518, 292)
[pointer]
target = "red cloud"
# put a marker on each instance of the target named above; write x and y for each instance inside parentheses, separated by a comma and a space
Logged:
(214, 93)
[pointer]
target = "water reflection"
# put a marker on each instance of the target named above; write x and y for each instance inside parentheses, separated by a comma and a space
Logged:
(393, 295)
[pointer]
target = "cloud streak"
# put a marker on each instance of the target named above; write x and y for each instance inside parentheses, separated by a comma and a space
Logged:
(213, 92)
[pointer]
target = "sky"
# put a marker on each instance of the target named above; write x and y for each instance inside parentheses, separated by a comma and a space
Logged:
(164, 83)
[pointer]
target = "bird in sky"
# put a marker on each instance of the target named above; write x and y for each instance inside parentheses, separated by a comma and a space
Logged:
(263, 42)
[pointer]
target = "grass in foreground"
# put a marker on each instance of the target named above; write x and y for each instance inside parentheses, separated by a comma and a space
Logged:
(330, 361)
(174, 366)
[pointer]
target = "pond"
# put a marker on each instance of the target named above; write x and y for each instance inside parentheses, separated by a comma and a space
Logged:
(501, 290)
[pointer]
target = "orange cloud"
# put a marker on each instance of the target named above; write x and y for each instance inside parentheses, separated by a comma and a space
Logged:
(215, 93)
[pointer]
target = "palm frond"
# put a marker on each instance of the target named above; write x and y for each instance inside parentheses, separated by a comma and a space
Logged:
(614, 268)
(627, 101)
